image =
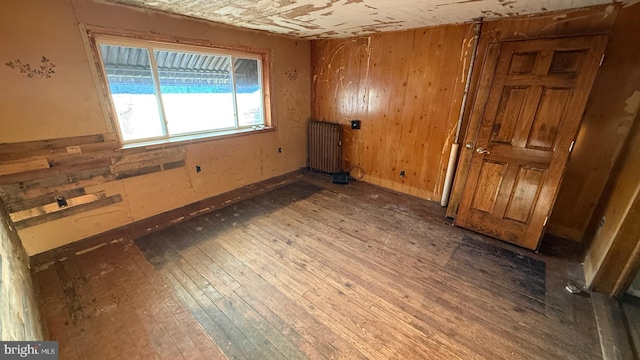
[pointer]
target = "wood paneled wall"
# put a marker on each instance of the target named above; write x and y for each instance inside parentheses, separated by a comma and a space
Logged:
(608, 267)
(406, 88)
(613, 258)
(610, 112)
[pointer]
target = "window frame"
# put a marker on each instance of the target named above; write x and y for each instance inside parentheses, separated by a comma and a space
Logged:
(184, 46)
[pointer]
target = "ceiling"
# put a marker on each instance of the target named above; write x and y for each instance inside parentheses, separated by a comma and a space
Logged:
(344, 18)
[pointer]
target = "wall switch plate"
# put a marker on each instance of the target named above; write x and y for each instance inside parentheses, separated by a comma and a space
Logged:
(355, 124)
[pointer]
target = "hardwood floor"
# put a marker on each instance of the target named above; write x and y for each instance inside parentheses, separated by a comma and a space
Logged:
(317, 270)
(631, 309)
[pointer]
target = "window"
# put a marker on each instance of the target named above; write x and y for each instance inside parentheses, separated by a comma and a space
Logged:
(164, 91)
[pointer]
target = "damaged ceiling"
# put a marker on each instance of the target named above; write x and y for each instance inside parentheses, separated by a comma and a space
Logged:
(344, 18)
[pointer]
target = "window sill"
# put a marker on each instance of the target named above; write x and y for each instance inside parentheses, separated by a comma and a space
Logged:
(196, 138)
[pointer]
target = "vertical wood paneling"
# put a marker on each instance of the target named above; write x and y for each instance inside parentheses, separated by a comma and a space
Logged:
(406, 88)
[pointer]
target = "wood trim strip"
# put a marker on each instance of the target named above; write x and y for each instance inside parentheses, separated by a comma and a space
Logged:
(58, 170)
(173, 165)
(13, 193)
(30, 146)
(23, 166)
(43, 200)
(62, 152)
(53, 206)
(137, 172)
(67, 212)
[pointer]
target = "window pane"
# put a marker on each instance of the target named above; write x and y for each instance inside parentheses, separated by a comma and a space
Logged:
(196, 91)
(133, 92)
(248, 92)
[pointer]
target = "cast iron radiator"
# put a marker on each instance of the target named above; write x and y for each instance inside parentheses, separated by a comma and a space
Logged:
(325, 147)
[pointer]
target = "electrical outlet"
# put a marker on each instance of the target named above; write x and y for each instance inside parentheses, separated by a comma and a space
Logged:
(401, 173)
(62, 202)
(198, 169)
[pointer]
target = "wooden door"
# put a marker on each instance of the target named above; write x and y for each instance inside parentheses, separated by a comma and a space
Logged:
(530, 101)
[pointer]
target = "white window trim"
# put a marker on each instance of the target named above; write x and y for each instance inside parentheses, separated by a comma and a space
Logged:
(167, 138)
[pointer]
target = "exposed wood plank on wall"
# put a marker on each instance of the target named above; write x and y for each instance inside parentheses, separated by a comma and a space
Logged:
(22, 166)
(68, 211)
(593, 20)
(55, 207)
(30, 146)
(43, 200)
(34, 174)
(57, 153)
(57, 170)
(158, 158)
(137, 155)
(404, 86)
(50, 186)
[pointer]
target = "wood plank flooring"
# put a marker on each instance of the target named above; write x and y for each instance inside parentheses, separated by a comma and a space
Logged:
(631, 309)
(315, 270)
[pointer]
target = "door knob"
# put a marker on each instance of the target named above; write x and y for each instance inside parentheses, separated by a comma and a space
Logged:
(483, 151)
(469, 145)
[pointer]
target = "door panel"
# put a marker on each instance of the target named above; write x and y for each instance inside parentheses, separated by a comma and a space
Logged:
(537, 94)
(524, 194)
(551, 108)
(486, 193)
(511, 105)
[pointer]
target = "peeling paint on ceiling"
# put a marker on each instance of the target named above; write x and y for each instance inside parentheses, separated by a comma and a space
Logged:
(317, 19)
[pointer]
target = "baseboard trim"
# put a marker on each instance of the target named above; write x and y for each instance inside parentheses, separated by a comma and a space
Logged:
(158, 222)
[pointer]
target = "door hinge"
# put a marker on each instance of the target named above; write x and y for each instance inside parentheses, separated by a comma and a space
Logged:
(601, 60)
(545, 221)
(571, 146)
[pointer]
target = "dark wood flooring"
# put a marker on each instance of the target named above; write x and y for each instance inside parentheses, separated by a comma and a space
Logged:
(631, 308)
(317, 270)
